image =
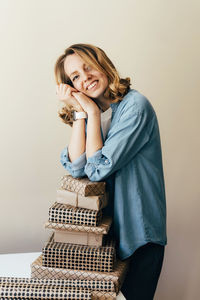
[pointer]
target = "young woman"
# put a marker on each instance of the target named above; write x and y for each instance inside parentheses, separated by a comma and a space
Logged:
(115, 138)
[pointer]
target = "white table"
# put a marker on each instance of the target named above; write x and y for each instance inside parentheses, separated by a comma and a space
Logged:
(18, 265)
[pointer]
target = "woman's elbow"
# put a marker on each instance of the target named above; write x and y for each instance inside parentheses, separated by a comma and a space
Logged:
(78, 174)
(74, 173)
(96, 176)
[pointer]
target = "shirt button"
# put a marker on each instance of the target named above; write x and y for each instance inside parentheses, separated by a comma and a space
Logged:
(106, 161)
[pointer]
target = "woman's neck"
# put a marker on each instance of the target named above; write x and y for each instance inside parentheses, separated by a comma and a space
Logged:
(104, 104)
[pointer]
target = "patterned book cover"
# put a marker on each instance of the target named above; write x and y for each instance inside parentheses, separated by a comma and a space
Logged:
(96, 285)
(33, 288)
(83, 186)
(108, 279)
(102, 228)
(40, 291)
(67, 214)
(79, 257)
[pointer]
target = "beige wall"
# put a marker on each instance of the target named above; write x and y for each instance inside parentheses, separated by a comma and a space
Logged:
(154, 42)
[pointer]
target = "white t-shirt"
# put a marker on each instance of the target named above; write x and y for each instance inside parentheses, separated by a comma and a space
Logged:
(105, 121)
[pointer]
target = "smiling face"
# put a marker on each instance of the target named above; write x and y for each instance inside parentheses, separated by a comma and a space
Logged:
(85, 78)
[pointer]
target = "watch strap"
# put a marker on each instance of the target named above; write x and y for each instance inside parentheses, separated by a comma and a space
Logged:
(77, 115)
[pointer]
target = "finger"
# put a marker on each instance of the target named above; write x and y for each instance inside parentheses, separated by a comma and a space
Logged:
(73, 89)
(62, 87)
(70, 91)
(57, 89)
(74, 94)
(66, 88)
(79, 97)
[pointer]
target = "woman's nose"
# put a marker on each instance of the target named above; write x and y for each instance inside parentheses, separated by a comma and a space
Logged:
(86, 76)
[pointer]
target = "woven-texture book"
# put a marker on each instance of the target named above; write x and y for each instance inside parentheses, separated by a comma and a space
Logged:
(102, 228)
(83, 186)
(41, 291)
(102, 290)
(97, 285)
(79, 257)
(67, 214)
(107, 278)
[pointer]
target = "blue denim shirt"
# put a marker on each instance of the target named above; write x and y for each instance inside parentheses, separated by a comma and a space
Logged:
(130, 162)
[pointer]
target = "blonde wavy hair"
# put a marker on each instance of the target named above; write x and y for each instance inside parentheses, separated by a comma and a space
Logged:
(95, 57)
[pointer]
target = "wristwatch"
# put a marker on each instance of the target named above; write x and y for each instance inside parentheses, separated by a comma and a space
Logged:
(77, 115)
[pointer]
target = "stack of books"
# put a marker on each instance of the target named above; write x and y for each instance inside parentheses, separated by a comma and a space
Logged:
(79, 259)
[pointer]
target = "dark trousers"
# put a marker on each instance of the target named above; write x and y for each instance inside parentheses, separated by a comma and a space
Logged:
(144, 270)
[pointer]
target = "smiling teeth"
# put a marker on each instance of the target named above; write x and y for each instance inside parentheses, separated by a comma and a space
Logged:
(91, 85)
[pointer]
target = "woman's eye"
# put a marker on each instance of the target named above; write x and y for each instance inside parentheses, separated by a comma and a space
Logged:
(74, 77)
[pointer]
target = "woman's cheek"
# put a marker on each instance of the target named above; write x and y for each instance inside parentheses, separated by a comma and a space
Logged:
(79, 87)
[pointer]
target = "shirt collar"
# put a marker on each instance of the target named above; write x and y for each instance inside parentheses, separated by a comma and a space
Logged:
(114, 106)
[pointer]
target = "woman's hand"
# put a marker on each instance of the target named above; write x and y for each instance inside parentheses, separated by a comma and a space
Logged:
(86, 103)
(64, 92)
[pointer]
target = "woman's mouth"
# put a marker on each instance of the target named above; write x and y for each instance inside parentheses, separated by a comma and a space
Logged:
(93, 85)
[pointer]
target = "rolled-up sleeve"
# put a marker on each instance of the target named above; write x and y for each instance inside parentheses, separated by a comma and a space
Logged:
(75, 168)
(125, 139)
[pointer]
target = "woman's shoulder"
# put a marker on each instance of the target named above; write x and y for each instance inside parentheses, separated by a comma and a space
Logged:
(136, 102)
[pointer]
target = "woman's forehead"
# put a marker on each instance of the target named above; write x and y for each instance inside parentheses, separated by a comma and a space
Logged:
(72, 63)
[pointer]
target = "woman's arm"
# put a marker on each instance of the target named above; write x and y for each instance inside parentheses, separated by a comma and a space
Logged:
(77, 141)
(94, 139)
(73, 157)
(127, 136)
(74, 162)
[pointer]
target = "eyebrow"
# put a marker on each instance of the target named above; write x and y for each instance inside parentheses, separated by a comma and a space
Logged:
(76, 71)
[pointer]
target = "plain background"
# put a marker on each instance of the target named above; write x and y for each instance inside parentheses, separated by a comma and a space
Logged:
(157, 44)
